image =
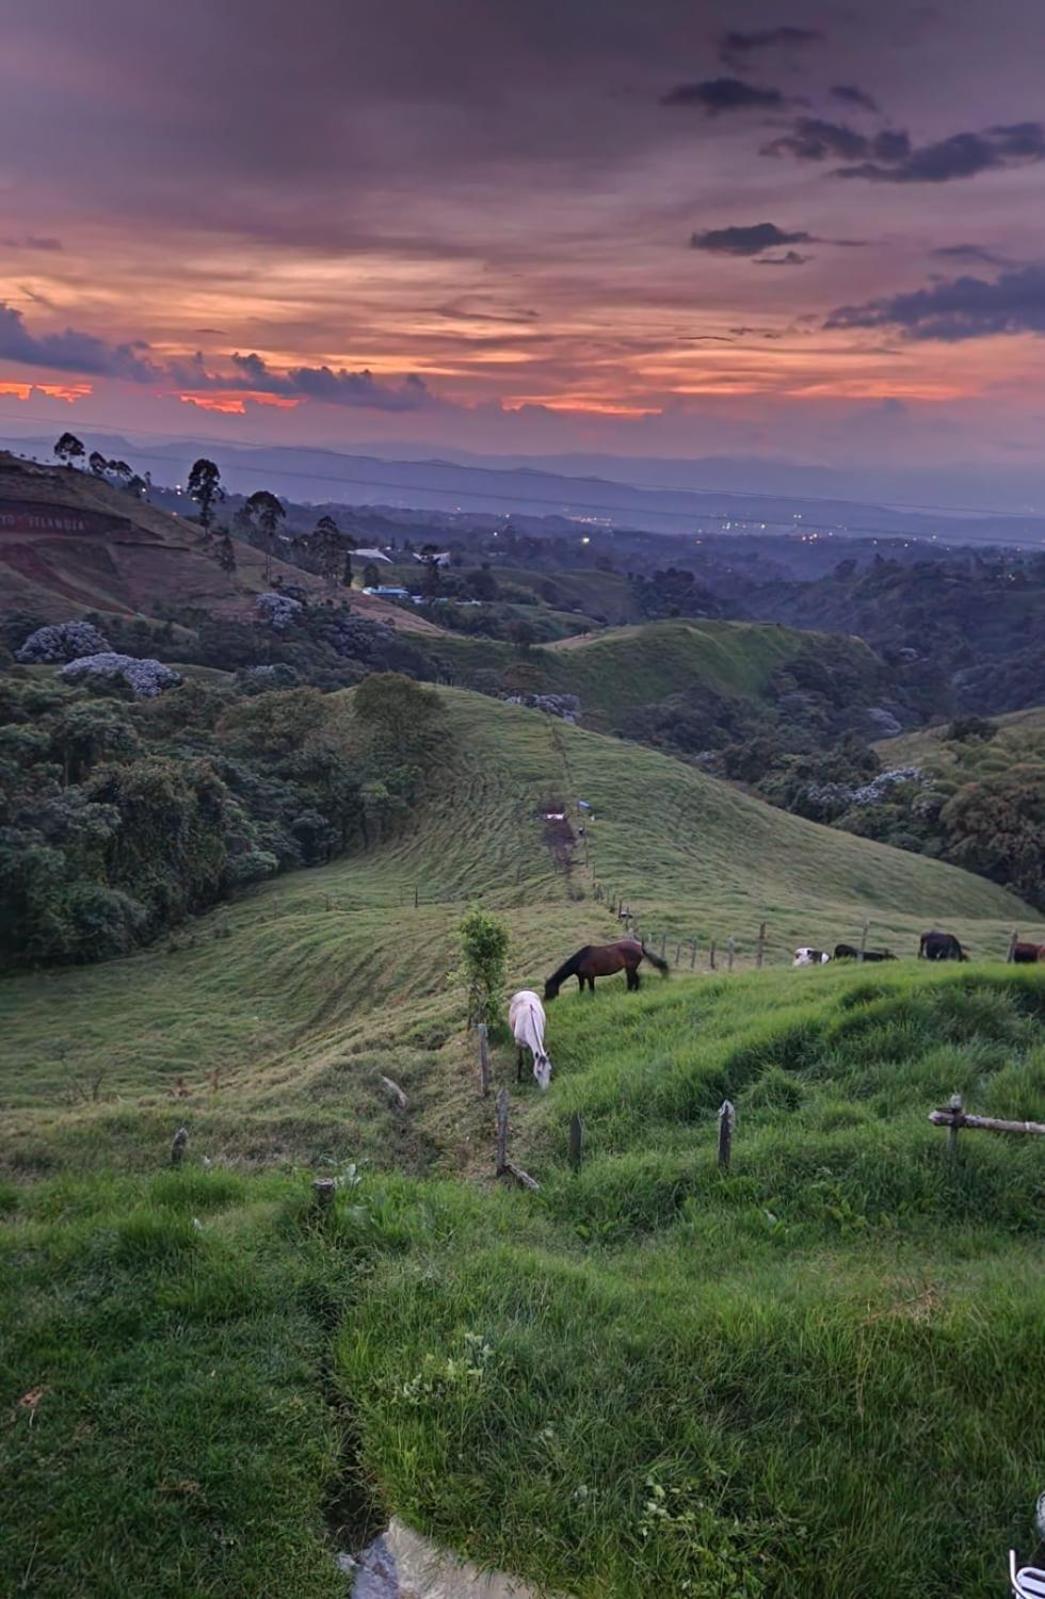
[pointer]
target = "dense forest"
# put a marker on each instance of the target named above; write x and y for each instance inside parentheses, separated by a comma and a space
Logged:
(121, 817)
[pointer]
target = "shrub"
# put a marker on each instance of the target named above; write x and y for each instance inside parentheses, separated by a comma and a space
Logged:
(145, 678)
(278, 610)
(64, 641)
(484, 944)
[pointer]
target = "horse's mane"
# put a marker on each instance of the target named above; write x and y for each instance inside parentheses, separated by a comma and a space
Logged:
(569, 968)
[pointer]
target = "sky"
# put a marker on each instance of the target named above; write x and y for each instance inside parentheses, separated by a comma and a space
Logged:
(810, 232)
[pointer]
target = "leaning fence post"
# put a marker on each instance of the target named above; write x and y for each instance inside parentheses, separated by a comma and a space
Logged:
(954, 1104)
(484, 1059)
(731, 945)
(726, 1119)
(179, 1144)
(502, 1131)
(761, 947)
(576, 1140)
(1013, 941)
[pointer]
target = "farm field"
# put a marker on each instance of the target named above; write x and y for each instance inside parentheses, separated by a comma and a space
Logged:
(808, 1377)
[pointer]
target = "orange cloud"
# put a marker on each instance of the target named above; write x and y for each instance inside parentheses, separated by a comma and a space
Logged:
(69, 392)
(233, 404)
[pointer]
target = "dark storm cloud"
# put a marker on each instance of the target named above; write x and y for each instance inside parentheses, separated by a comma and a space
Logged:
(957, 309)
(851, 94)
(71, 351)
(33, 241)
(970, 252)
(716, 95)
(88, 356)
(735, 46)
(330, 386)
(814, 139)
(963, 155)
(750, 240)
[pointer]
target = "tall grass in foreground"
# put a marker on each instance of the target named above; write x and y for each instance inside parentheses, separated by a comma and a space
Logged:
(820, 1375)
(809, 1378)
(164, 1430)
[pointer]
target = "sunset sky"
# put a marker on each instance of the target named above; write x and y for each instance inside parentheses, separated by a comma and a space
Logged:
(813, 231)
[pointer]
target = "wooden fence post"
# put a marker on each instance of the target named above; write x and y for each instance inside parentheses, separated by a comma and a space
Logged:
(417, 897)
(711, 957)
(576, 1140)
(863, 938)
(726, 1120)
(323, 1191)
(663, 944)
(1013, 941)
(693, 955)
(955, 1105)
(731, 945)
(760, 949)
(179, 1144)
(678, 954)
(484, 1059)
(502, 1131)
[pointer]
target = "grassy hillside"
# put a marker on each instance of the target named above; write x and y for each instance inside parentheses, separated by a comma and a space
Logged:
(128, 557)
(323, 976)
(1021, 737)
(618, 671)
(808, 1378)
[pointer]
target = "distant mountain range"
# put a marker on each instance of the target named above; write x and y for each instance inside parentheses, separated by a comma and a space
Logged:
(667, 496)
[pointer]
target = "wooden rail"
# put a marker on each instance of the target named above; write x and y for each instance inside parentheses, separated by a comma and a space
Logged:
(954, 1116)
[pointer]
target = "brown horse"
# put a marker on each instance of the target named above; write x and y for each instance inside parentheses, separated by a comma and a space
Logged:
(602, 960)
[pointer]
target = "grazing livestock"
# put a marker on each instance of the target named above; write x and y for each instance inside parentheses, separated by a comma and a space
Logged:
(1028, 954)
(848, 952)
(602, 960)
(940, 947)
(526, 1020)
(810, 957)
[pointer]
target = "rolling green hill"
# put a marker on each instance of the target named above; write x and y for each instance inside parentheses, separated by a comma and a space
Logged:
(320, 966)
(1021, 736)
(625, 668)
(809, 1377)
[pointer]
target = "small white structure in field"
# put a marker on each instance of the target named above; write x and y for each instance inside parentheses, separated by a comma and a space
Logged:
(526, 1019)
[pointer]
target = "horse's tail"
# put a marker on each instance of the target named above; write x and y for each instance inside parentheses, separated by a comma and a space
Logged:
(655, 960)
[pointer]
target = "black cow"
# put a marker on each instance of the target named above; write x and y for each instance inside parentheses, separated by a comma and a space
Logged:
(940, 947)
(846, 952)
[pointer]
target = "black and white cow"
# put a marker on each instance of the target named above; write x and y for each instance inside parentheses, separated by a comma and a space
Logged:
(810, 957)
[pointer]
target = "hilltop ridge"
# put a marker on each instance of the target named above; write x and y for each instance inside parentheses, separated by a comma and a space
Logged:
(70, 543)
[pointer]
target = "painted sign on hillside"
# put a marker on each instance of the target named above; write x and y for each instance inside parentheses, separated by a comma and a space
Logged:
(28, 516)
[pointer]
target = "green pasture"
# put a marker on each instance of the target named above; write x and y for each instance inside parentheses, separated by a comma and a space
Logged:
(814, 1375)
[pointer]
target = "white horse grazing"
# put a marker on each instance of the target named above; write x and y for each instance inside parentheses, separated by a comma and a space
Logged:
(526, 1020)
